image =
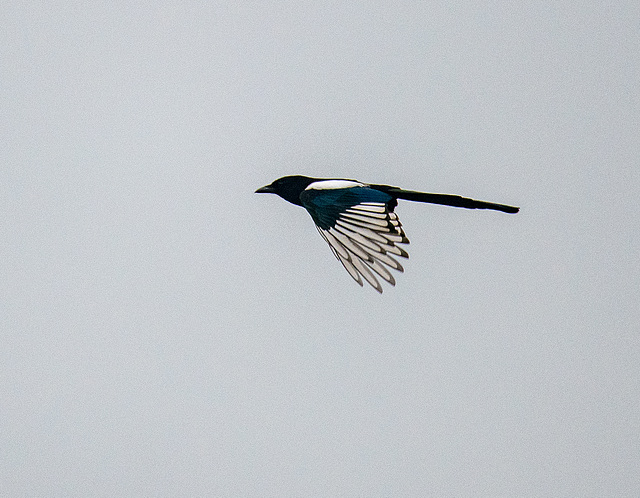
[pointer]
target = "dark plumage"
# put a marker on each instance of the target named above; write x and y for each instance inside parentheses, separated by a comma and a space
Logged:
(358, 222)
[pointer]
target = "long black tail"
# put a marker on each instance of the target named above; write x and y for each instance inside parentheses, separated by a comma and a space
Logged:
(448, 200)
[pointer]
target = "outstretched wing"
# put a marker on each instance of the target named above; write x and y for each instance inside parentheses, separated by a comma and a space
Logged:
(360, 227)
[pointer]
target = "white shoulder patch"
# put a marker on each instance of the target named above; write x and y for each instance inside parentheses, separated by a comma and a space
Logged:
(333, 184)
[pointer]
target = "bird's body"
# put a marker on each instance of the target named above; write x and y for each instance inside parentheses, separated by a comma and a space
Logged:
(358, 222)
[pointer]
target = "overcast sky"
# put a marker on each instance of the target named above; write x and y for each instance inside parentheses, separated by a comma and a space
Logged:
(166, 332)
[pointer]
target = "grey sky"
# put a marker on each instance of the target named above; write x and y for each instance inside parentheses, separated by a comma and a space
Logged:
(166, 332)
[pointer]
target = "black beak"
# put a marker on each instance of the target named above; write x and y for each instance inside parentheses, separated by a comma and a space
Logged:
(267, 189)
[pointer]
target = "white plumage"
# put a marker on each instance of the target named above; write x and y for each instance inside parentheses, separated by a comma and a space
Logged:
(362, 240)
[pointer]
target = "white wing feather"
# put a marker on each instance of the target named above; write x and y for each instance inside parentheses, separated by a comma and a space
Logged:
(362, 240)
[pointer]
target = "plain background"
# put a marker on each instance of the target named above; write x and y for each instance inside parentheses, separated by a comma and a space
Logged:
(166, 332)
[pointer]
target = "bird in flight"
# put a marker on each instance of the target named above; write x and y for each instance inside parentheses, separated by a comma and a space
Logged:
(358, 222)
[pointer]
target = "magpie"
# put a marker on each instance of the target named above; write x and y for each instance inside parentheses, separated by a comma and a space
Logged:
(358, 222)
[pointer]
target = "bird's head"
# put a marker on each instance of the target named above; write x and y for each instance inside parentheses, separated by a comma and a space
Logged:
(288, 187)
